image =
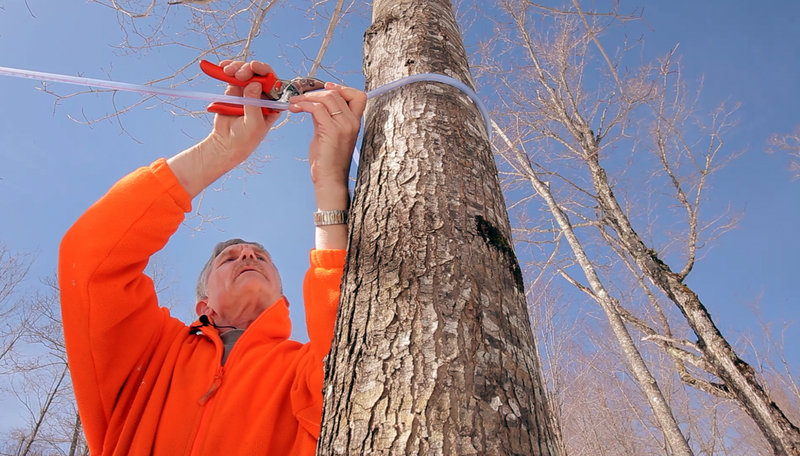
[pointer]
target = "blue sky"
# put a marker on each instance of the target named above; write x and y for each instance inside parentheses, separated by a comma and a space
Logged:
(52, 168)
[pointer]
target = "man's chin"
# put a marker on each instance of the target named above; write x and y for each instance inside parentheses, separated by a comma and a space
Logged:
(253, 282)
(252, 275)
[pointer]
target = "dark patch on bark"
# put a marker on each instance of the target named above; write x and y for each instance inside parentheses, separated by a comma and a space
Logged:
(381, 25)
(492, 236)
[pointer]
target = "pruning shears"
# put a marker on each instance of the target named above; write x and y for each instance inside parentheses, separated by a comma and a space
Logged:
(272, 88)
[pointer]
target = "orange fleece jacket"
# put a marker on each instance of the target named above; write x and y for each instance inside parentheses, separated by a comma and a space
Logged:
(145, 382)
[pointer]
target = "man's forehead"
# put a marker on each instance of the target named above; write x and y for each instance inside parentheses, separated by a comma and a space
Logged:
(238, 247)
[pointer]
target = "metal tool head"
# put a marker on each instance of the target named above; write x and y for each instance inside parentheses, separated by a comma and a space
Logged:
(298, 86)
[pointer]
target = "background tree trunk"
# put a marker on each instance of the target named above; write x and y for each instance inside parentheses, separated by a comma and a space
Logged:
(433, 352)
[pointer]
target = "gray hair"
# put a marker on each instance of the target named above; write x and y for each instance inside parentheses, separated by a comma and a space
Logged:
(201, 291)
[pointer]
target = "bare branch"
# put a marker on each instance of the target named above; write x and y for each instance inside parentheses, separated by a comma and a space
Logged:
(789, 143)
(326, 39)
(115, 4)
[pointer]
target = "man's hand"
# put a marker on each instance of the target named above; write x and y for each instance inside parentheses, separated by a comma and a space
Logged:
(232, 139)
(336, 112)
(240, 135)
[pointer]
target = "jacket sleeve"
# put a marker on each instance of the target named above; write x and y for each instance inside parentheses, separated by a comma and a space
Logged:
(110, 314)
(321, 289)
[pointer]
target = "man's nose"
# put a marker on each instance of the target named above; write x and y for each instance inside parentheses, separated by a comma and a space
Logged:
(247, 253)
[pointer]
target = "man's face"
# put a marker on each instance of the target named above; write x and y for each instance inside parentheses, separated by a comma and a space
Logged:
(242, 283)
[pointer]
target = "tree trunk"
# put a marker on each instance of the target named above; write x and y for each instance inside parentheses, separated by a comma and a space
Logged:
(433, 352)
(76, 436)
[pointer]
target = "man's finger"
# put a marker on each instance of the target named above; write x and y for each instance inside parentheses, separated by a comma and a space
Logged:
(235, 91)
(231, 67)
(260, 67)
(250, 69)
(253, 90)
(356, 99)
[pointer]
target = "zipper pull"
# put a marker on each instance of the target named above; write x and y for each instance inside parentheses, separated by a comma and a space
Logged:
(214, 385)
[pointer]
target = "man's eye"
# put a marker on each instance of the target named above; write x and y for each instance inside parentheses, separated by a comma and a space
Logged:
(261, 258)
(229, 259)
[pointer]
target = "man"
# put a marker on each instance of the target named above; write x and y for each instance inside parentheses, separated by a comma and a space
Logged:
(148, 384)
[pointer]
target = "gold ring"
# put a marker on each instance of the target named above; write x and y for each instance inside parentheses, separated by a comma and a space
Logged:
(335, 113)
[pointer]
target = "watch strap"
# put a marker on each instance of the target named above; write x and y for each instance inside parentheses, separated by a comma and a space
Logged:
(335, 217)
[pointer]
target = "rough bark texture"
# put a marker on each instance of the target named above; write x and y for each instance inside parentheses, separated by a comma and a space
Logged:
(433, 352)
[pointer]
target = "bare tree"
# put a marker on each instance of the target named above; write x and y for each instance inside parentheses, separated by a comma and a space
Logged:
(14, 268)
(433, 352)
(604, 412)
(39, 379)
(40, 398)
(568, 110)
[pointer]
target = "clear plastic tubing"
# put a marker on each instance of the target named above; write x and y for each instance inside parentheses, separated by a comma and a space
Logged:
(435, 77)
(175, 93)
(172, 93)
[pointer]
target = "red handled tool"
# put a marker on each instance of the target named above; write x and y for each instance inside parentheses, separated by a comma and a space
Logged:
(272, 88)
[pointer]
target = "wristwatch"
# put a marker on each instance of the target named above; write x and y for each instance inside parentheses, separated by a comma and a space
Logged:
(324, 218)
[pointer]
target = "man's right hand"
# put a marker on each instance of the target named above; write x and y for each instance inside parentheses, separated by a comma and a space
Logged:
(239, 136)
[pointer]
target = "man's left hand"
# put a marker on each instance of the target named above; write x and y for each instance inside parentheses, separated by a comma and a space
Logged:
(336, 113)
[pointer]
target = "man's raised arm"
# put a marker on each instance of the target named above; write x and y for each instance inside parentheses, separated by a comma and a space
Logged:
(336, 113)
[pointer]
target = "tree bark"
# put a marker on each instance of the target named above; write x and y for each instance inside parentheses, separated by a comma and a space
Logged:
(433, 352)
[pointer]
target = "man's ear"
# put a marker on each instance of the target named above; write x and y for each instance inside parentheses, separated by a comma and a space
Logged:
(201, 308)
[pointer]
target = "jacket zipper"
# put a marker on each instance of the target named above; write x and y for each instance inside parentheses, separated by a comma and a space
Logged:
(214, 385)
(206, 400)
